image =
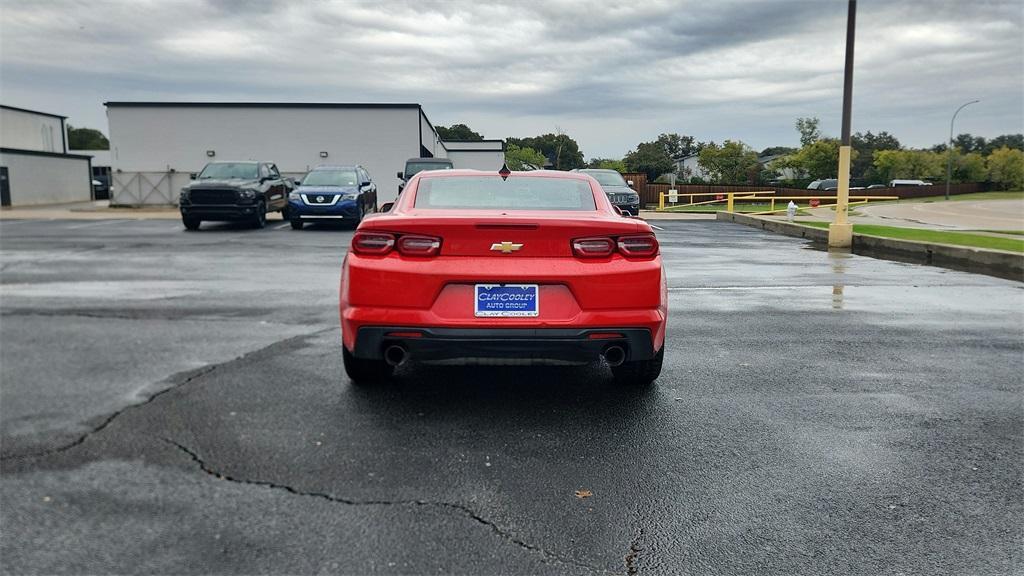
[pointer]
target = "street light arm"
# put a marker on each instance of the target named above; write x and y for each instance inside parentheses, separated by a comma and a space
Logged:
(949, 152)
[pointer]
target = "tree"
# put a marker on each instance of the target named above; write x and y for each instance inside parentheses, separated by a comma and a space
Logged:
(969, 167)
(517, 158)
(817, 160)
(562, 151)
(1014, 141)
(731, 163)
(808, 129)
(457, 132)
(607, 164)
(677, 146)
(913, 164)
(1006, 168)
(967, 143)
(865, 145)
(651, 159)
(777, 151)
(86, 139)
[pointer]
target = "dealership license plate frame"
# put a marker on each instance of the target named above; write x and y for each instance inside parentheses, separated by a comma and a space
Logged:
(528, 289)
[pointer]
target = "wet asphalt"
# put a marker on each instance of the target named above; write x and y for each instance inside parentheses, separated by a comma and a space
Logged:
(174, 402)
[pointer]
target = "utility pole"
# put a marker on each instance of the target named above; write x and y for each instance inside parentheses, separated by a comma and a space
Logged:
(949, 153)
(840, 232)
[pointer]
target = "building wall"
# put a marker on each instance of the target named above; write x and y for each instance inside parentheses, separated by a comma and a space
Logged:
(430, 141)
(487, 160)
(154, 148)
(30, 131)
(100, 158)
(44, 179)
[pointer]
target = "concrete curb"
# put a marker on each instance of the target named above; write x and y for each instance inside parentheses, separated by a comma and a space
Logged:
(999, 263)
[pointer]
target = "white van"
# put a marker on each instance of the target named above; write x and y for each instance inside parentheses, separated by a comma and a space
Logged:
(895, 183)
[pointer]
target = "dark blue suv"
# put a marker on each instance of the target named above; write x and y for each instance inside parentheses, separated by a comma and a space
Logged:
(332, 194)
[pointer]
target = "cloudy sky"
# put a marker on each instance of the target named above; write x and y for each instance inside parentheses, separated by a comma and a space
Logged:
(610, 74)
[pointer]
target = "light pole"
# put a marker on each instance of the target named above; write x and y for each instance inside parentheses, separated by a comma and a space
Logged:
(840, 232)
(949, 161)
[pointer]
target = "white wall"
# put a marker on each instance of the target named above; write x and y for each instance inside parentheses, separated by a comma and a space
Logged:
(430, 140)
(487, 160)
(29, 131)
(100, 158)
(47, 179)
(151, 140)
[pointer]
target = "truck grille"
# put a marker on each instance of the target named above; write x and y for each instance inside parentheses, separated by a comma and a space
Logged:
(623, 199)
(212, 196)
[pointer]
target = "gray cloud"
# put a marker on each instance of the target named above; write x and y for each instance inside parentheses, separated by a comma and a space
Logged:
(610, 74)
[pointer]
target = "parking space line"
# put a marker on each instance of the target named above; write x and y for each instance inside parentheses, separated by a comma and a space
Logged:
(91, 224)
(285, 225)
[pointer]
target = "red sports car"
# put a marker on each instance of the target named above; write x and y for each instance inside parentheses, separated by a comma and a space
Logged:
(474, 267)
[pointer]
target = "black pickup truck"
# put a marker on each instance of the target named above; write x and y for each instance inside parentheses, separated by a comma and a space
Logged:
(235, 191)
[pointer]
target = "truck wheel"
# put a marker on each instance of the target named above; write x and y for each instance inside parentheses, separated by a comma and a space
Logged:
(285, 214)
(296, 224)
(363, 372)
(191, 222)
(641, 372)
(259, 220)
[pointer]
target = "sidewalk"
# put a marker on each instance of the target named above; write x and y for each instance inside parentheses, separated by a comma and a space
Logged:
(98, 210)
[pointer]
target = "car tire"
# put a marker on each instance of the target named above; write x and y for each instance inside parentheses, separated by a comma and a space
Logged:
(191, 222)
(296, 224)
(641, 372)
(286, 214)
(362, 371)
(260, 219)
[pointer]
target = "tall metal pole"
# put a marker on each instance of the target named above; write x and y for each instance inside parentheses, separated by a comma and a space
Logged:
(949, 153)
(840, 232)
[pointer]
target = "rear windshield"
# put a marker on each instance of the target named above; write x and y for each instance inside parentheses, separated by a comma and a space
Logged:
(413, 168)
(330, 178)
(516, 193)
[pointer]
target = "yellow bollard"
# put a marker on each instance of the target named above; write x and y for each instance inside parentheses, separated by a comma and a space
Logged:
(729, 203)
(773, 204)
(661, 201)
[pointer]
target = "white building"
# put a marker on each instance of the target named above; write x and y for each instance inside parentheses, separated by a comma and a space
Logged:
(35, 166)
(155, 146)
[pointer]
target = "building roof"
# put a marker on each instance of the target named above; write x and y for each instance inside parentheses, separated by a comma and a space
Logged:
(4, 106)
(124, 104)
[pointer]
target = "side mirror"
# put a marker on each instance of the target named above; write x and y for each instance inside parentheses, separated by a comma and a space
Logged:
(387, 206)
(629, 182)
(364, 184)
(192, 176)
(401, 175)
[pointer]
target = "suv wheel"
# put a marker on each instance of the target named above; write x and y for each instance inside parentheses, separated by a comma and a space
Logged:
(296, 224)
(639, 373)
(260, 219)
(362, 372)
(191, 222)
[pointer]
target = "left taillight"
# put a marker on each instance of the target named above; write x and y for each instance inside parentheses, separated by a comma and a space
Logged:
(373, 243)
(419, 245)
(638, 246)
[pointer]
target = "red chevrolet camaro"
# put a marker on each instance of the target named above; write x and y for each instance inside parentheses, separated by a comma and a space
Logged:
(474, 267)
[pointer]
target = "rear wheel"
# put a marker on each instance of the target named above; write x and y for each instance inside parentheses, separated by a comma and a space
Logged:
(641, 372)
(259, 220)
(296, 224)
(362, 371)
(191, 222)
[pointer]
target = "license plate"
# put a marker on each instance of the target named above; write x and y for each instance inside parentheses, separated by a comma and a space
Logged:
(508, 300)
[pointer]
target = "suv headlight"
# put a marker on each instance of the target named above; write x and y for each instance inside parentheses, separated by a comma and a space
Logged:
(183, 195)
(294, 196)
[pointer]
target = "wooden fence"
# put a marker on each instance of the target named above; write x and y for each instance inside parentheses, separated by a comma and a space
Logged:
(649, 192)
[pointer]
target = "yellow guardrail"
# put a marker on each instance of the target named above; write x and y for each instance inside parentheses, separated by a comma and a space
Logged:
(767, 195)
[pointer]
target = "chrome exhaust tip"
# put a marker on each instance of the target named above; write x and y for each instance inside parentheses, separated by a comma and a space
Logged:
(395, 355)
(615, 355)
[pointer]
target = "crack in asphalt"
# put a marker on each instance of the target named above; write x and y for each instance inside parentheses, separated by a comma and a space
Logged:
(634, 552)
(193, 375)
(460, 508)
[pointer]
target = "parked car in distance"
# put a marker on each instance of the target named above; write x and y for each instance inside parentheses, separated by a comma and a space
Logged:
(234, 191)
(832, 184)
(901, 182)
(414, 166)
(332, 194)
(503, 267)
(619, 191)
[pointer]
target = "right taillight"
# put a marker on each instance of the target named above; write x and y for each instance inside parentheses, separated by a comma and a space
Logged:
(419, 245)
(373, 243)
(593, 247)
(639, 246)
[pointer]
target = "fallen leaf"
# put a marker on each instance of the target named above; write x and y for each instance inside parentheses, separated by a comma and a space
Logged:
(584, 494)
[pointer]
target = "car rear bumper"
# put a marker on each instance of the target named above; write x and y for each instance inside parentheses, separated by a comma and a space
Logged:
(440, 345)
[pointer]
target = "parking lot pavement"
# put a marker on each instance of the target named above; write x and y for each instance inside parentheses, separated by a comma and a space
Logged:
(174, 402)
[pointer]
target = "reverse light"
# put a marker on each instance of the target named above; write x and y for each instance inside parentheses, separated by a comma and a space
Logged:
(419, 245)
(593, 247)
(639, 246)
(373, 243)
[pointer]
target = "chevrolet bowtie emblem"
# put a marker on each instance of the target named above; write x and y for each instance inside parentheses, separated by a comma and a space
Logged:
(505, 247)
